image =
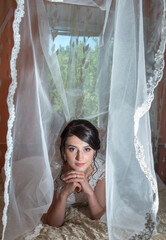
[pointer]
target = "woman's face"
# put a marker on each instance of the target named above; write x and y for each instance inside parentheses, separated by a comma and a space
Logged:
(78, 154)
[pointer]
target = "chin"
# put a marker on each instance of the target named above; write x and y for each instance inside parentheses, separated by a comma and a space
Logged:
(82, 168)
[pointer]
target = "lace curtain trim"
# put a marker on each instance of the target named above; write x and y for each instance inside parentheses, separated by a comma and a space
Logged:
(141, 111)
(148, 231)
(36, 232)
(19, 13)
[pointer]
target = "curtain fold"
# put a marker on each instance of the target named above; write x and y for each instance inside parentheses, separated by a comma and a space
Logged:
(100, 61)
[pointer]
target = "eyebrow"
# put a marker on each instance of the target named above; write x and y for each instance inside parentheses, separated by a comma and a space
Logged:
(70, 145)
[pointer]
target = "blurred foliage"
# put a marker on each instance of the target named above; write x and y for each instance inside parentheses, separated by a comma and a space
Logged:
(78, 62)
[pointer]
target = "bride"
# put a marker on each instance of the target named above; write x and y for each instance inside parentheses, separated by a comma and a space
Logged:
(82, 179)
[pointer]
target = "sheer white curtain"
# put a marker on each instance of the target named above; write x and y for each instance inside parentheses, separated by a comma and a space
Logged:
(100, 61)
(132, 180)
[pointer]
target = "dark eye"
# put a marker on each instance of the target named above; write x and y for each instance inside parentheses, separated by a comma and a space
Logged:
(87, 149)
(71, 149)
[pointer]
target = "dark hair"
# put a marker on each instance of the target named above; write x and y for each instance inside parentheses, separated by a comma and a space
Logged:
(82, 129)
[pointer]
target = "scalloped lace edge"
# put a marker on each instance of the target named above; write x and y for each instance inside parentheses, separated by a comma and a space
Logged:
(140, 112)
(19, 13)
(36, 232)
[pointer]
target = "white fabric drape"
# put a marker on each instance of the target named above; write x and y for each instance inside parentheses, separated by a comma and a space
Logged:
(131, 95)
(100, 61)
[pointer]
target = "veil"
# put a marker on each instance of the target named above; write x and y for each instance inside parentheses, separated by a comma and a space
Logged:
(94, 59)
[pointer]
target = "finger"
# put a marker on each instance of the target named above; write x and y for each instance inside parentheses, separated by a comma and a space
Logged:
(73, 175)
(74, 180)
(78, 189)
(76, 176)
(74, 184)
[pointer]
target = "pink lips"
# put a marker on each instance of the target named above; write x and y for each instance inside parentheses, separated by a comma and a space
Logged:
(80, 164)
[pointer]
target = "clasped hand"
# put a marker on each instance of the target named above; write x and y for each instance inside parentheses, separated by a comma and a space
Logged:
(76, 181)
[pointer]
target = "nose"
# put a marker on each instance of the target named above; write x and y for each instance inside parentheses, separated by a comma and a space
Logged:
(79, 155)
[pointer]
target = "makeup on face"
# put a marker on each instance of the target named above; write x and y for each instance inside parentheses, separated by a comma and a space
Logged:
(78, 154)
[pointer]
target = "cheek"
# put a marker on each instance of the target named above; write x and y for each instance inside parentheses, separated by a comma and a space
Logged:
(69, 155)
(90, 156)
